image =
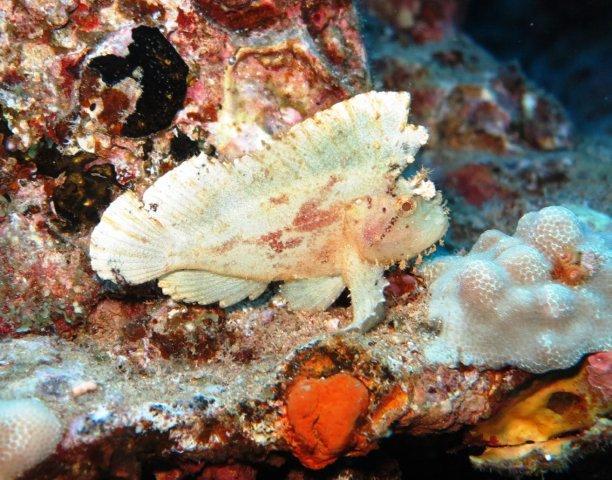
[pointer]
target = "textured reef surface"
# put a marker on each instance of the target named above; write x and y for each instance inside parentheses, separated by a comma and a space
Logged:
(110, 380)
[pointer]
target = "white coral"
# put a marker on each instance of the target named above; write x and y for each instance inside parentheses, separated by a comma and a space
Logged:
(29, 432)
(551, 230)
(538, 300)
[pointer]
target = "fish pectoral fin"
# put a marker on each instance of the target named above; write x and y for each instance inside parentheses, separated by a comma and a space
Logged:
(366, 284)
(204, 287)
(312, 293)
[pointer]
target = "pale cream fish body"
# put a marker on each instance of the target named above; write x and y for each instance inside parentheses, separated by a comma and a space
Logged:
(321, 208)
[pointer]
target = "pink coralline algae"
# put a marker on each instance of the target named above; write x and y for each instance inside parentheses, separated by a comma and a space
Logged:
(599, 373)
(88, 121)
(102, 97)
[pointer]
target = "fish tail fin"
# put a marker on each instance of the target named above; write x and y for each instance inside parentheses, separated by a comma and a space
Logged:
(128, 244)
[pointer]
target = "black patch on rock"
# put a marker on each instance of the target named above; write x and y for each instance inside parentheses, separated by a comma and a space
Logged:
(49, 161)
(113, 68)
(182, 147)
(5, 131)
(83, 194)
(163, 80)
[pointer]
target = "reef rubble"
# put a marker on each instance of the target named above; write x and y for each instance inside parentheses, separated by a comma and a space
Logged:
(98, 97)
(257, 392)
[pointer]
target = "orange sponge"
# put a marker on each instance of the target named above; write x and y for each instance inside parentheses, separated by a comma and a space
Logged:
(323, 415)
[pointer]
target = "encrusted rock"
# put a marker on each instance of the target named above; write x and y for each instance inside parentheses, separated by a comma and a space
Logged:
(148, 387)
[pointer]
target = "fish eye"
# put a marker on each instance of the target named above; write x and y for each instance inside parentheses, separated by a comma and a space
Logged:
(407, 206)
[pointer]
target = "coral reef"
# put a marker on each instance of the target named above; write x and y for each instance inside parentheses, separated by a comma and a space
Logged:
(149, 387)
(267, 375)
(29, 432)
(537, 300)
(419, 21)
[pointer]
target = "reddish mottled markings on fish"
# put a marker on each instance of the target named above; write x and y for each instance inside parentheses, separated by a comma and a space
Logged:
(279, 200)
(293, 242)
(389, 226)
(226, 246)
(273, 240)
(371, 233)
(333, 179)
(310, 217)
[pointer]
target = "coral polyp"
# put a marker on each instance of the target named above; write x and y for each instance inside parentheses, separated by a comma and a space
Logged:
(537, 300)
(29, 432)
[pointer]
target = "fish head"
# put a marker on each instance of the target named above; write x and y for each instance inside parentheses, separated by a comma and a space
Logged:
(388, 228)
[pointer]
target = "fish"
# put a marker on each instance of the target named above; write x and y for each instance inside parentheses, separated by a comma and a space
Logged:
(321, 208)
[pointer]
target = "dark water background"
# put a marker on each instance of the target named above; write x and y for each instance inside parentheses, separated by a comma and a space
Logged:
(564, 46)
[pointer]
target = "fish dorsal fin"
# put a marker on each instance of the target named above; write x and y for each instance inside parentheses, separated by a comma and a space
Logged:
(369, 132)
(366, 140)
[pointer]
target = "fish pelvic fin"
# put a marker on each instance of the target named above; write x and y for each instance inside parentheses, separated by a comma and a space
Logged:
(366, 284)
